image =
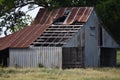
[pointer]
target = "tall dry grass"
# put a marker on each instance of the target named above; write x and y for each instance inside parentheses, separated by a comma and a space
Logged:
(57, 74)
(118, 58)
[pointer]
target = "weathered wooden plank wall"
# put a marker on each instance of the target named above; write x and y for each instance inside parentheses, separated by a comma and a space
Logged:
(72, 57)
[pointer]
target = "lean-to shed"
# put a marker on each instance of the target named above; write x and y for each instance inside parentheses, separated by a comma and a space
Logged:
(60, 38)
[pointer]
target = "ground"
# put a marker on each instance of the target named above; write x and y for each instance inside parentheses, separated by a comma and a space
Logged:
(118, 58)
(58, 74)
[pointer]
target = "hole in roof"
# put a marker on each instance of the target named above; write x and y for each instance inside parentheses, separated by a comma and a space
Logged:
(62, 19)
(77, 23)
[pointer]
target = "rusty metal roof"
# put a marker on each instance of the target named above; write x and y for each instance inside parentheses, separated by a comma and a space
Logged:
(44, 18)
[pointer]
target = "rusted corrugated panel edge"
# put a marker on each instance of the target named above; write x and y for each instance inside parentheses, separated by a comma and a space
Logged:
(44, 19)
(80, 14)
(71, 18)
(87, 14)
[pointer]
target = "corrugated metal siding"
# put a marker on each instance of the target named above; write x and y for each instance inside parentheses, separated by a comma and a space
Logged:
(44, 19)
(50, 57)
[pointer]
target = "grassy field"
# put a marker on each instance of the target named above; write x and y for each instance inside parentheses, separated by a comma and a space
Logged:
(57, 74)
(118, 58)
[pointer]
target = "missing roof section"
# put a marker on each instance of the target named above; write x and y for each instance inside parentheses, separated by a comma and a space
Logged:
(62, 19)
(56, 35)
(78, 23)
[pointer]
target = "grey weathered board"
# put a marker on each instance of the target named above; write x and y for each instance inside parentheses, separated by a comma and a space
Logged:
(72, 57)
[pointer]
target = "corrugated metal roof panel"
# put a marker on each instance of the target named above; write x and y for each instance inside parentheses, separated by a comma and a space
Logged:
(86, 14)
(39, 16)
(52, 16)
(43, 20)
(71, 18)
(79, 14)
(60, 13)
(38, 32)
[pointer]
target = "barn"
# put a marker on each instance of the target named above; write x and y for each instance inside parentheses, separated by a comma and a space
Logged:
(70, 37)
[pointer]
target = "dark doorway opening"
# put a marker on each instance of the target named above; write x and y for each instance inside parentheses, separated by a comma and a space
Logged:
(108, 57)
(4, 58)
(72, 58)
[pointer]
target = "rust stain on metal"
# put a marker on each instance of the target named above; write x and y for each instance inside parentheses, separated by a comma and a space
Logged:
(86, 14)
(43, 20)
(27, 36)
(36, 34)
(52, 16)
(39, 16)
(20, 36)
(61, 12)
(79, 14)
(45, 17)
(72, 15)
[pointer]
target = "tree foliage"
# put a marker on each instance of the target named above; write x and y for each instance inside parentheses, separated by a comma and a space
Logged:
(11, 16)
(109, 13)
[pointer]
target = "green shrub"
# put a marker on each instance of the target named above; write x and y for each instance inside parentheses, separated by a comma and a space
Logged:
(40, 65)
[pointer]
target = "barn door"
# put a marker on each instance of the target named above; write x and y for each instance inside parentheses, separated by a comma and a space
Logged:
(72, 58)
(108, 57)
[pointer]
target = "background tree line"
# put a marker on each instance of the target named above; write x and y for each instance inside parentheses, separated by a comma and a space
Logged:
(13, 18)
